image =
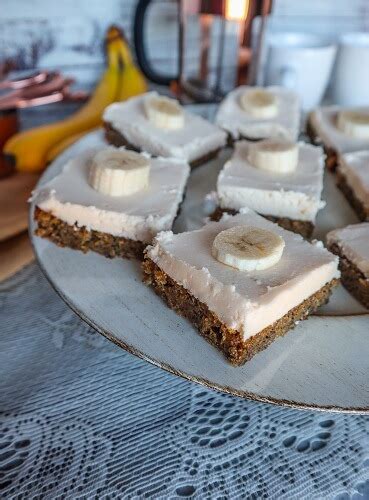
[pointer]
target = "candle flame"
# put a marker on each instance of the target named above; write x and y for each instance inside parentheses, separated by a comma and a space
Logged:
(236, 10)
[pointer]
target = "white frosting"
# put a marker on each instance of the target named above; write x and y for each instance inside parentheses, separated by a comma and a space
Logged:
(355, 168)
(194, 140)
(296, 195)
(245, 301)
(139, 216)
(353, 241)
(324, 121)
(232, 118)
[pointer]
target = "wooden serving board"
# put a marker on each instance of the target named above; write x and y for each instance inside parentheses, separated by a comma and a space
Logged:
(15, 253)
(14, 193)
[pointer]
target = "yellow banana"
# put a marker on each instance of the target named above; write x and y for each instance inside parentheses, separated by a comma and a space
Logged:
(115, 34)
(30, 148)
(33, 149)
(132, 81)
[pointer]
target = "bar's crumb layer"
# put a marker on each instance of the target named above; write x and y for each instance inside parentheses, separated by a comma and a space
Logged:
(118, 140)
(361, 211)
(227, 340)
(331, 159)
(231, 140)
(304, 228)
(351, 277)
(79, 238)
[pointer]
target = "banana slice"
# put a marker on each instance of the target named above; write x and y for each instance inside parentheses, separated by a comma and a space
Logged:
(274, 155)
(248, 248)
(118, 172)
(354, 123)
(164, 112)
(259, 103)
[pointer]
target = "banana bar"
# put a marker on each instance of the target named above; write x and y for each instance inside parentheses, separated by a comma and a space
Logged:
(160, 126)
(242, 281)
(353, 180)
(258, 113)
(339, 130)
(351, 244)
(279, 179)
(111, 201)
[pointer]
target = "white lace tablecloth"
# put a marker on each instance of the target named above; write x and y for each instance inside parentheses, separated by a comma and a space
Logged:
(80, 418)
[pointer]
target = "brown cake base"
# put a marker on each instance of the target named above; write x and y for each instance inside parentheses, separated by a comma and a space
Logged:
(361, 211)
(79, 238)
(118, 140)
(231, 140)
(351, 277)
(331, 159)
(305, 228)
(227, 340)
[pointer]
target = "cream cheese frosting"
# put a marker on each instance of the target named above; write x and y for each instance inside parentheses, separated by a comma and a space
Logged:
(355, 169)
(195, 139)
(243, 300)
(324, 121)
(139, 217)
(296, 195)
(238, 123)
(353, 240)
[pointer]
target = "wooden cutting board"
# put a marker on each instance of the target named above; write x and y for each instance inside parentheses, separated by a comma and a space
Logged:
(15, 253)
(14, 193)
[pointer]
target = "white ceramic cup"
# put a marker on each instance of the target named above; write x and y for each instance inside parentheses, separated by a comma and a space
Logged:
(300, 62)
(350, 82)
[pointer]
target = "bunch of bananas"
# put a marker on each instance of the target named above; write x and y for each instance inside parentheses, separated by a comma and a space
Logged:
(33, 149)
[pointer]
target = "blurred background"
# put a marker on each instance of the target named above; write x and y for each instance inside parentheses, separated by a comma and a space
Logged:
(68, 35)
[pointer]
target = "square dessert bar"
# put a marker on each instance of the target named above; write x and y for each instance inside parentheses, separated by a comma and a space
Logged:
(71, 213)
(127, 124)
(239, 311)
(351, 244)
(323, 128)
(242, 124)
(353, 180)
(291, 199)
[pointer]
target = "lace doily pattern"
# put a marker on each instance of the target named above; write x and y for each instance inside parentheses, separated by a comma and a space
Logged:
(83, 419)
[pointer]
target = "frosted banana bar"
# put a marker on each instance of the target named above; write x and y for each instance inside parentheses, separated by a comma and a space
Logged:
(276, 178)
(242, 281)
(260, 113)
(351, 244)
(339, 130)
(112, 201)
(161, 127)
(353, 180)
